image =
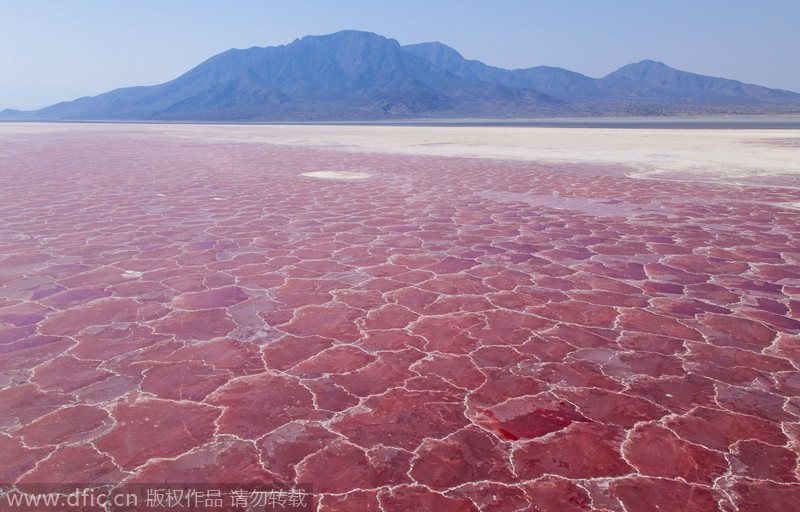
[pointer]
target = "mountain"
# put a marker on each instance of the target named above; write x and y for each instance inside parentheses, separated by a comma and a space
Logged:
(641, 83)
(352, 75)
(649, 79)
(346, 75)
(550, 80)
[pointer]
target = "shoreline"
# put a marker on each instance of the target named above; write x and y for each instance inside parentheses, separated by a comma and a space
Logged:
(788, 121)
(736, 157)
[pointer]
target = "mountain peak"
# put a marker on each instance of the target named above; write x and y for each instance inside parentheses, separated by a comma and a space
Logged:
(436, 52)
(649, 63)
(346, 37)
(642, 68)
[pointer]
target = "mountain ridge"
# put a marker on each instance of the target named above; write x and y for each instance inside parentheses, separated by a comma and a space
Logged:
(617, 84)
(354, 75)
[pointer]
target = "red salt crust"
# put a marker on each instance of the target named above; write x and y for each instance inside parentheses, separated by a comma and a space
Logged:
(613, 408)
(419, 499)
(787, 346)
(452, 304)
(403, 419)
(706, 265)
(507, 328)
(217, 298)
(682, 308)
(156, 428)
(26, 402)
(438, 337)
(74, 463)
(637, 493)
(496, 357)
(458, 370)
(551, 494)
(389, 317)
(183, 381)
(245, 400)
(448, 333)
(196, 325)
(772, 306)
(109, 389)
(609, 298)
(581, 451)
(580, 313)
(737, 332)
(778, 321)
(655, 451)
(392, 339)
(527, 417)
(678, 394)
(649, 343)
(656, 288)
(502, 385)
(713, 293)
(335, 322)
(283, 448)
(761, 461)
(364, 501)
(654, 365)
(731, 357)
(469, 455)
(754, 496)
(26, 352)
(337, 360)
(643, 321)
(226, 460)
(107, 342)
(20, 315)
(575, 373)
(616, 270)
(495, 497)
(788, 384)
(329, 396)
(67, 373)
(755, 402)
(289, 351)
(100, 313)
(65, 425)
(16, 459)
(355, 468)
(582, 337)
(238, 358)
(674, 275)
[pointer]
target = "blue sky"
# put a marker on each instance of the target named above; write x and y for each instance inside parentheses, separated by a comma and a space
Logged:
(56, 50)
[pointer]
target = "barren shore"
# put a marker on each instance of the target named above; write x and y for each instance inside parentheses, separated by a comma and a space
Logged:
(732, 156)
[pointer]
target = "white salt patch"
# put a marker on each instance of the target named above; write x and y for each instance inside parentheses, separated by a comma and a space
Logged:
(131, 274)
(336, 175)
(686, 154)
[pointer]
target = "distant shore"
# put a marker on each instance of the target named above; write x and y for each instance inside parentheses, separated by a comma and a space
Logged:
(763, 155)
(701, 122)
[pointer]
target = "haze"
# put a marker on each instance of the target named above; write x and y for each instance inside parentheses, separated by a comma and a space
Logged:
(54, 51)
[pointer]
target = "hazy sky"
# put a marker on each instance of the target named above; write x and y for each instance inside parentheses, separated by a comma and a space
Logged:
(56, 50)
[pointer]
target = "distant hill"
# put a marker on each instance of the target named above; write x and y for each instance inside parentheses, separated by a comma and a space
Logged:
(352, 75)
(555, 81)
(655, 80)
(646, 85)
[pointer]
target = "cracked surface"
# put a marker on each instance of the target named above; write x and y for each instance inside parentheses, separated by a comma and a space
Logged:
(443, 334)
